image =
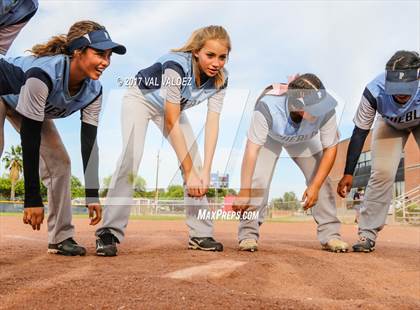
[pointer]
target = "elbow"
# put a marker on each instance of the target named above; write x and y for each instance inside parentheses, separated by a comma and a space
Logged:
(331, 151)
(357, 131)
(252, 150)
(169, 124)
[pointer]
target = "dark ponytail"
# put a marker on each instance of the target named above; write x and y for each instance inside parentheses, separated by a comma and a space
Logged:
(403, 60)
(58, 44)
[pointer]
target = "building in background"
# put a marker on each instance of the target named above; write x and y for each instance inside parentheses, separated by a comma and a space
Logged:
(406, 179)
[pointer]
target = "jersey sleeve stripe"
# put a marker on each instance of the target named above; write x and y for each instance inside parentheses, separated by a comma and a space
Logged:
(370, 98)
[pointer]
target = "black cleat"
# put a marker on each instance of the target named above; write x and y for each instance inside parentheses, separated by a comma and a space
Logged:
(68, 247)
(364, 245)
(205, 244)
(106, 244)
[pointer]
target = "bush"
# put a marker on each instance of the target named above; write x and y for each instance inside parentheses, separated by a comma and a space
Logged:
(410, 208)
(5, 186)
(77, 188)
(289, 201)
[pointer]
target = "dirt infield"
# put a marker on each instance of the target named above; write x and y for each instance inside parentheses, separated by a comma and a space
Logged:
(155, 270)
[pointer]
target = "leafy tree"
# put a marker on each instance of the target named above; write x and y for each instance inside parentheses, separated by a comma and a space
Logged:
(139, 186)
(289, 201)
(77, 189)
(151, 194)
(14, 163)
(277, 203)
(105, 185)
(211, 193)
(216, 192)
(5, 186)
(220, 193)
(173, 192)
(20, 189)
(43, 191)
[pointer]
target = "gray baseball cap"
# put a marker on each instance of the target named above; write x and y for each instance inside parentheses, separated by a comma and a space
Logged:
(402, 82)
(316, 103)
(98, 39)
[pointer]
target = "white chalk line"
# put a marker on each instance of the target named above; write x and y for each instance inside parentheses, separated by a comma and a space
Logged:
(22, 238)
(213, 270)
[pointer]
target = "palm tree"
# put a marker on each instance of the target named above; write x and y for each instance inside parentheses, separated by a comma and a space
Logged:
(14, 162)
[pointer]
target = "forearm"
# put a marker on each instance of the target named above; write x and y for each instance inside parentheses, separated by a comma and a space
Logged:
(211, 135)
(248, 167)
(325, 166)
(30, 133)
(90, 157)
(357, 141)
(177, 140)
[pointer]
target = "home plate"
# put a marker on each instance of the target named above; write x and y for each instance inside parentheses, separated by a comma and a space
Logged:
(213, 270)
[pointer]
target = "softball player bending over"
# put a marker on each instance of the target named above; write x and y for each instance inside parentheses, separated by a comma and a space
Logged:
(176, 82)
(14, 15)
(393, 98)
(301, 118)
(60, 78)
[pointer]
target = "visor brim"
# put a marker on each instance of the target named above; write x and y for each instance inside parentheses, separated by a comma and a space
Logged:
(323, 107)
(106, 45)
(401, 88)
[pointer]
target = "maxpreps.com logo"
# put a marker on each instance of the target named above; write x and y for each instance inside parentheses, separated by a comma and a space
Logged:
(221, 214)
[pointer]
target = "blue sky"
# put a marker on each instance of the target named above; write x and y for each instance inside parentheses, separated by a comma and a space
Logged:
(346, 43)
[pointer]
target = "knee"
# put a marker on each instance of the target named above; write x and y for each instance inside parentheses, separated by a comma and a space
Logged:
(62, 163)
(259, 184)
(382, 174)
(66, 163)
(326, 188)
(56, 167)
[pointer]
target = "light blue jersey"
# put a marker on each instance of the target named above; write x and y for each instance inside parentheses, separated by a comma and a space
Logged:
(151, 83)
(16, 11)
(281, 127)
(53, 71)
(406, 116)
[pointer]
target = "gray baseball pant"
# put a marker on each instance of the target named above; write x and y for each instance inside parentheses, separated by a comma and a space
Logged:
(55, 173)
(387, 146)
(136, 114)
(324, 212)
